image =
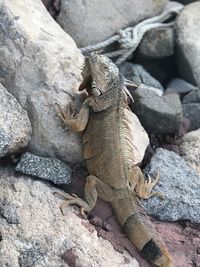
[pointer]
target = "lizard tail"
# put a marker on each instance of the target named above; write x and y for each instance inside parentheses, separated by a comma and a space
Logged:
(143, 235)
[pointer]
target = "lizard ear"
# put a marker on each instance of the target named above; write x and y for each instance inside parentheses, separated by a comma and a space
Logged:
(86, 83)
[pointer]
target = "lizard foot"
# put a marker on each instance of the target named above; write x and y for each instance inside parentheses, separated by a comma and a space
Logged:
(67, 115)
(145, 186)
(73, 199)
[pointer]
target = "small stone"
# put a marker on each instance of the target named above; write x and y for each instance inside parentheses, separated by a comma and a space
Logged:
(190, 149)
(15, 126)
(45, 168)
(138, 74)
(179, 183)
(158, 43)
(157, 114)
(179, 86)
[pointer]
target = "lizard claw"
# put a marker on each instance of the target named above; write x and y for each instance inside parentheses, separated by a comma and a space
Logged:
(73, 199)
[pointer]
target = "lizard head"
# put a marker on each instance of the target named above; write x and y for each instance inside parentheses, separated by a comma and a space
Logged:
(102, 81)
(100, 75)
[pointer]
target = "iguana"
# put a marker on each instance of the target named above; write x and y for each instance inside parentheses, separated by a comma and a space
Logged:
(112, 151)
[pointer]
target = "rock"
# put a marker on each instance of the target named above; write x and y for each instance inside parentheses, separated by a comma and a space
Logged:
(192, 97)
(45, 168)
(15, 126)
(191, 108)
(138, 74)
(48, 71)
(179, 86)
(41, 236)
(192, 112)
(84, 20)
(157, 114)
(188, 43)
(158, 43)
(186, 2)
(190, 149)
(179, 183)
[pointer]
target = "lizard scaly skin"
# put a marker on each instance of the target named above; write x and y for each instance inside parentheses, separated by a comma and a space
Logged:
(112, 151)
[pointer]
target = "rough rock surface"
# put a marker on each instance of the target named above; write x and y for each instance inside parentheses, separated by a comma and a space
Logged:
(45, 168)
(188, 43)
(138, 74)
(179, 183)
(35, 233)
(48, 71)
(190, 149)
(192, 97)
(179, 86)
(15, 126)
(191, 108)
(157, 114)
(82, 20)
(158, 43)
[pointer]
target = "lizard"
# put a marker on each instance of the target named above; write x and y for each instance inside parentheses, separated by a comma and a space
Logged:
(112, 152)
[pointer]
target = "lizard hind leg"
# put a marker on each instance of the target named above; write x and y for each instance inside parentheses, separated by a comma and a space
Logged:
(93, 187)
(143, 187)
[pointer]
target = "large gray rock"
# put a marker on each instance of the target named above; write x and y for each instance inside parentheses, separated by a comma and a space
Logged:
(138, 74)
(15, 126)
(179, 86)
(192, 112)
(192, 97)
(157, 114)
(158, 43)
(190, 149)
(45, 168)
(179, 183)
(40, 65)
(89, 22)
(191, 108)
(35, 233)
(188, 43)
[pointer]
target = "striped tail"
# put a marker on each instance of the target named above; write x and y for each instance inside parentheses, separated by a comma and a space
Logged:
(143, 235)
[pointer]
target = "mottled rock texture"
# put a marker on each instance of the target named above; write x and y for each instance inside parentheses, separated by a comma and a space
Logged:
(15, 126)
(40, 65)
(158, 43)
(179, 183)
(35, 233)
(45, 168)
(82, 20)
(190, 149)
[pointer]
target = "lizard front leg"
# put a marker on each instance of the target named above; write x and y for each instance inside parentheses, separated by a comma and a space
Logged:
(75, 121)
(143, 186)
(94, 187)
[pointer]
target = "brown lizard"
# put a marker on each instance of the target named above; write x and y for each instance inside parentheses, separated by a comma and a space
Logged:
(112, 152)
